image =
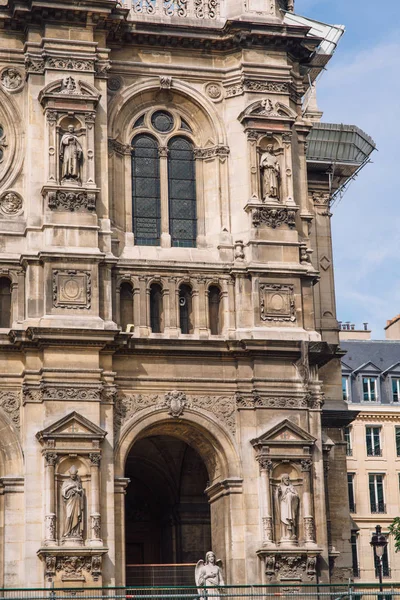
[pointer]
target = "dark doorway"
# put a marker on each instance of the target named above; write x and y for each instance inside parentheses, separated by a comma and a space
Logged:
(167, 512)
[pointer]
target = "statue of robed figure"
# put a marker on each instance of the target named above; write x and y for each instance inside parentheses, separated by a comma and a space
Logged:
(72, 494)
(208, 574)
(287, 503)
(71, 154)
(271, 174)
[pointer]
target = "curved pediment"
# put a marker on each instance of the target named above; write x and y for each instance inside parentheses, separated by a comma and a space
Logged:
(268, 109)
(69, 87)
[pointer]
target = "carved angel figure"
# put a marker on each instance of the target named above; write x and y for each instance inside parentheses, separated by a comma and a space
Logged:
(72, 493)
(287, 501)
(271, 174)
(208, 574)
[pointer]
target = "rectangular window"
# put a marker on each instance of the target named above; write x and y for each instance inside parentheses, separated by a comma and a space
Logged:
(350, 487)
(373, 440)
(345, 389)
(376, 496)
(354, 554)
(395, 389)
(385, 564)
(370, 389)
(347, 438)
(398, 441)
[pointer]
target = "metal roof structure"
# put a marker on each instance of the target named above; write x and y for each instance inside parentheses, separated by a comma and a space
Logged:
(339, 150)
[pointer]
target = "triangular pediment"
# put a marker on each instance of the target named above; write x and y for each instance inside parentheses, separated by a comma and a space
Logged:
(368, 367)
(286, 433)
(392, 370)
(268, 108)
(72, 425)
(346, 368)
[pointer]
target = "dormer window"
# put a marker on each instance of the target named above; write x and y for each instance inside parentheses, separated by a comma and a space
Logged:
(370, 389)
(345, 388)
(395, 389)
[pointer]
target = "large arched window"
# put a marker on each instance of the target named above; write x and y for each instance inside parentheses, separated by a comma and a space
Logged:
(182, 193)
(146, 191)
(163, 181)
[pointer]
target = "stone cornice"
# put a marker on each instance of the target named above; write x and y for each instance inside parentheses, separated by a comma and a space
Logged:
(393, 415)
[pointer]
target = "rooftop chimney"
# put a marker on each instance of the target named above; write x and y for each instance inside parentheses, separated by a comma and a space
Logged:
(392, 329)
(348, 331)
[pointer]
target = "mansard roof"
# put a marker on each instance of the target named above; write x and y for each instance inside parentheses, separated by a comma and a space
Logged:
(383, 354)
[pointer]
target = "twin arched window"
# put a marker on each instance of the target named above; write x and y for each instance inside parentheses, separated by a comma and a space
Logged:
(163, 182)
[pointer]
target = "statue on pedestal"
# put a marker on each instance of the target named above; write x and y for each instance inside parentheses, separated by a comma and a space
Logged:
(208, 574)
(71, 154)
(287, 502)
(72, 494)
(271, 174)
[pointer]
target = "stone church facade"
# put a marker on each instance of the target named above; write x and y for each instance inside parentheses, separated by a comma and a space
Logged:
(169, 371)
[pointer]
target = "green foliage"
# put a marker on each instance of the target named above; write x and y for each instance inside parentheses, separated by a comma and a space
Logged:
(394, 529)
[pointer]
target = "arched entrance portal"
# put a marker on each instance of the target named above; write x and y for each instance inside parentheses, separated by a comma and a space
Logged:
(167, 514)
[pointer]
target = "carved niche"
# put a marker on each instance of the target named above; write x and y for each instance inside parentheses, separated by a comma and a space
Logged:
(288, 546)
(72, 549)
(70, 107)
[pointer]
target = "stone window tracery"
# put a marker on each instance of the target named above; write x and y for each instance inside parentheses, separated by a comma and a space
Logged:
(3, 143)
(163, 181)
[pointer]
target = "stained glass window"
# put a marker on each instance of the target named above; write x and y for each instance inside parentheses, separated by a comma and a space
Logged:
(146, 191)
(162, 121)
(182, 193)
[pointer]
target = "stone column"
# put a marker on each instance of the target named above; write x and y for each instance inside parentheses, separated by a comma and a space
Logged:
(51, 117)
(136, 305)
(254, 162)
(287, 171)
(203, 308)
(225, 306)
(144, 297)
(308, 513)
(165, 240)
(90, 175)
(173, 306)
(266, 503)
(50, 535)
(95, 518)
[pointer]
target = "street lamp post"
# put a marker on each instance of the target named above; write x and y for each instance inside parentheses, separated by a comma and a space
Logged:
(379, 543)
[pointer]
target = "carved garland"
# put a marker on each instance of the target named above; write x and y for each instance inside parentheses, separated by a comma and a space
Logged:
(274, 217)
(223, 407)
(72, 201)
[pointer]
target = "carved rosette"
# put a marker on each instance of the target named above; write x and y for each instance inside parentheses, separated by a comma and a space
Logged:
(11, 204)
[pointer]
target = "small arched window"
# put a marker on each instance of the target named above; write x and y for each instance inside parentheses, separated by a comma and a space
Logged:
(156, 308)
(185, 309)
(5, 302)
(126, 305)
(182, 193)
(214, 310)
(146, 191)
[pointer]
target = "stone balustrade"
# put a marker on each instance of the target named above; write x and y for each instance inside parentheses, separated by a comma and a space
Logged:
(195, 9)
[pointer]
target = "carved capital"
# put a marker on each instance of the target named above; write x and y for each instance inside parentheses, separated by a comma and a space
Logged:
(306, 465)
(95, 459)
(51, 459)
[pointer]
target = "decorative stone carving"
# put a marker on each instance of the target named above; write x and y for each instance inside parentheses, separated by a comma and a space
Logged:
(50, 524)
(274, 217)
(95, 459)
(50, 566)
(34, 64)
(72, 289)
(305, 255)
(3, 143)
(221, 151)
(208, 573)
(116, 146)
(96, 567)
(96, 525)
(214, 91)
(234, 90)
(271, 174)
(10, 403)
(51, 458)
(73, 567)
(114, 83)
(252, 85)
(325, 263)
(321, 198)
(11, 80)
(277, 302)
(206, 9)
(176, 401)
(127, 405)
(11, 204)
(73, 201)
(257, 401)
(71, 155)
(290, 566)
(309, 530)
(102, 67)
(165, 82)
(268, 528)
(73, 496)
(69, 64)
(266, 108)
(239, 250)
(287, 503)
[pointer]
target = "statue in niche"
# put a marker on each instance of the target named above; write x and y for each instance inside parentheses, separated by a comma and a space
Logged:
(287, 502)
(72, 494)
(271, 174)
(208, 574)
(71, 154)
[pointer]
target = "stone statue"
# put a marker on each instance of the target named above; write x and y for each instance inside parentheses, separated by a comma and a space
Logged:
(72, 493)
(208, 574)
(71, 154)
(271, 174)
(287, 502)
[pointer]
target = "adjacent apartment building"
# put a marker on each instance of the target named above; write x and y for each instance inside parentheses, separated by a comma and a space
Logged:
(371, 386)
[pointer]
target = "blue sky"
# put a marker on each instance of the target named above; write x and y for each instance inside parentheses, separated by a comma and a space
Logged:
(362, 87)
